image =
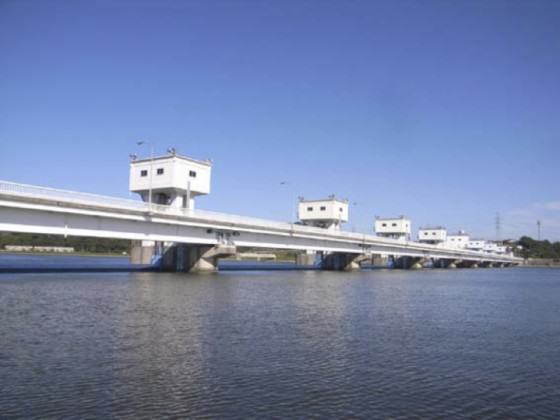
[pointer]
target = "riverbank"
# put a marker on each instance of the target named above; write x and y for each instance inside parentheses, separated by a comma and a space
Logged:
(542, 263)
(67, 254)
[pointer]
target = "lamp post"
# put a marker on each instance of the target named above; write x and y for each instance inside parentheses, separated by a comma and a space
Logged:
(292, 205)
(141, 143)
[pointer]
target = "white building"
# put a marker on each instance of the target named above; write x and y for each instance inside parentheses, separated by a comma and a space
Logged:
(328, 214)
(172, 180)
(432, 235)
(477, 244)
(396, 228)
(495, 248)
(459, 240)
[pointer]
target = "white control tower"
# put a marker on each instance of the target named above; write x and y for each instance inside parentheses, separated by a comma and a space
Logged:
(329, 213)
(394, 227)
(171, 180)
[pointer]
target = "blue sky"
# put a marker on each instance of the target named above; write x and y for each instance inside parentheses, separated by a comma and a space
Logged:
(447, 112)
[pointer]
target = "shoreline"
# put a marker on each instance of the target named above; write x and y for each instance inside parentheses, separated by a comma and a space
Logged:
(66, 254)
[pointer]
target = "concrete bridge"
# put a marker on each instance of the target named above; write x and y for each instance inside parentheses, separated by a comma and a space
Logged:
(194, 240)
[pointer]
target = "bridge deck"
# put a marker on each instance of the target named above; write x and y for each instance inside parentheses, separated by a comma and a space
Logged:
(42, 199)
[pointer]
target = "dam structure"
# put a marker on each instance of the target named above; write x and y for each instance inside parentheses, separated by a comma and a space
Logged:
(166, 227)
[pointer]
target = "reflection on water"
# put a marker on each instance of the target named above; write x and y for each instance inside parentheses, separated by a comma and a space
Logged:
(448, 343)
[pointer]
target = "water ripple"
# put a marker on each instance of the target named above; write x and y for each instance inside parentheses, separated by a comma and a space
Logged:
(429, 344)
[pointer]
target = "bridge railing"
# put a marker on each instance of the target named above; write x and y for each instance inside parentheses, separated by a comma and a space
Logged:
(33, 191)
(81, 198)
(76, 197)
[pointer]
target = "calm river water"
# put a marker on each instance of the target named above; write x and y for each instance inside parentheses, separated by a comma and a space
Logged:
(480, 343)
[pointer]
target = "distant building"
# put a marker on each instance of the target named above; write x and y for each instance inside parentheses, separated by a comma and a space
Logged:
(328, 213)
(395, 227)
(32, 248)
(173, 180)
(459, 240)
(432, 235)
(495, 248)
(476, 244)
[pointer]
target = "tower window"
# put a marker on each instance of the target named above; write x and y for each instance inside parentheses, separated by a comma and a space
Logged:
(309, 208)
(143, 172)
(160, 171)
(192, 174)
(323, 208)
(394, 224)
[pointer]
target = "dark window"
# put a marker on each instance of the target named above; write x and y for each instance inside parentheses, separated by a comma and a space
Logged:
(323, 208)
(309, 208)
(433, 233)
(394, 224)
(426, 233)
(341, 209)
(160, 171)
(143, 172)
(384, 224)
(192, 174)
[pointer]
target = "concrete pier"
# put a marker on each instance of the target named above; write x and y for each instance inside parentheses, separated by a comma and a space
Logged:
(338, 261)
(448, 263)
(306, 258)
(468, 264)
(409, 263)
(380, 261)
(142, 252)
(194, 258)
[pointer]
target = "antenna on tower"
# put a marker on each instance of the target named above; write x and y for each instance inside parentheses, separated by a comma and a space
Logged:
(539, 229)
(498, 226)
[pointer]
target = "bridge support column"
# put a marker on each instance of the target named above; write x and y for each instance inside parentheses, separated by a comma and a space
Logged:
(448, 263)
(468, 264)
(195, 258)
(306, 258)
(338, 261)
(409, 263)
(487, 264)
(380, 261)
(142, 252)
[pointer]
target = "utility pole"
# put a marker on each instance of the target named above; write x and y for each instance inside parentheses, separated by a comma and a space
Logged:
(539, 229)
(498, 226)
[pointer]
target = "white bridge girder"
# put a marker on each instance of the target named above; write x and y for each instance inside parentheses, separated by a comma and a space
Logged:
(55, 216)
